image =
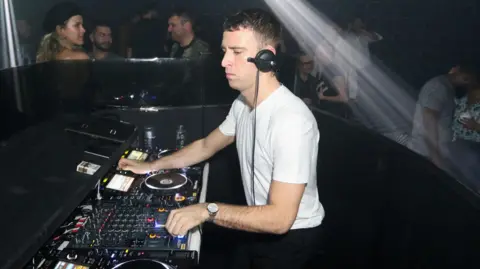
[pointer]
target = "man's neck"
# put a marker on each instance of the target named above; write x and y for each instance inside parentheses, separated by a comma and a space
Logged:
(99, 54)
(266, 87)
(303, 76)
(451, 80)
(187, 40)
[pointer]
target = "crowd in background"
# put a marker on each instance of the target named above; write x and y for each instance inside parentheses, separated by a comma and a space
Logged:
(331, 76)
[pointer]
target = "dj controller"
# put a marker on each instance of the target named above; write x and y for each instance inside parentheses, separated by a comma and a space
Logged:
(121, 224)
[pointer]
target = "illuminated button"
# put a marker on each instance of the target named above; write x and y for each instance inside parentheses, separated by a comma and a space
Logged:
(161, 210)
(150, 219)
(152, 236)
(126, 152)
(179, 198)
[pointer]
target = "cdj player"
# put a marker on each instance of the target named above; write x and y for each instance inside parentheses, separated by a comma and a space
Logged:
(121, 224)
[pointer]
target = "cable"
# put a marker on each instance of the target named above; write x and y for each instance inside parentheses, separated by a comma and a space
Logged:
(254, 134)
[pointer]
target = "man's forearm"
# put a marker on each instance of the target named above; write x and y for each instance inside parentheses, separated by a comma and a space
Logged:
(259, 219)
(192, 154)
(336, 98)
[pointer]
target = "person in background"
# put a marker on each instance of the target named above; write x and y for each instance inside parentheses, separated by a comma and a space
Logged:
(305, 84)
(125, 33)
(432, 133)
(64, 39)
(26, 47)
(187, 45)
(101, 38)
(332, 86)
(361, 37)
(353, 54)
(146, 39)
(465, 148)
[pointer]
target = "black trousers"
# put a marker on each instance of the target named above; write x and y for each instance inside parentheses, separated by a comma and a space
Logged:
(292, 250)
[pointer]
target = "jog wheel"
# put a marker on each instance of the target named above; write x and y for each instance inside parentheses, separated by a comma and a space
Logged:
(143, 264)
(165, 182)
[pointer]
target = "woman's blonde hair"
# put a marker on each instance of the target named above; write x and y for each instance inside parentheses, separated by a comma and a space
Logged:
(50, 46)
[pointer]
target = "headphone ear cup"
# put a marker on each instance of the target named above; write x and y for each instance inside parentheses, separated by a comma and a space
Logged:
(265, 60)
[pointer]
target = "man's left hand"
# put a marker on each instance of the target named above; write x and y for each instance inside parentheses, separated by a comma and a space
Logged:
(182, 220)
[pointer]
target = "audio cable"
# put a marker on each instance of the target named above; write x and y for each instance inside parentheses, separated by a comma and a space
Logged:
(254, 133)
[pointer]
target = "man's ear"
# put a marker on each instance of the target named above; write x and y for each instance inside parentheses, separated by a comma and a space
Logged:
(271, 48)
(187, 25)
(454, 70)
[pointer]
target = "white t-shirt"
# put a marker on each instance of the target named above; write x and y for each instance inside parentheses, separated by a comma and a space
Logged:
(352, 55)
(286, 149)
(437, 94)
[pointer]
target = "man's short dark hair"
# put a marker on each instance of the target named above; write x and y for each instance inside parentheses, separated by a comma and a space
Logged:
(263, 23)
(96, 24)
(302, 53)
(184, 15)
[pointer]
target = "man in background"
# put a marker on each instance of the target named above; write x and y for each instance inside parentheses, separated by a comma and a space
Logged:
(431, 134)
(305, 83)
(353, 54)
(146, 39)
(27, 47)
(187, 45)
(101, 38)
(125, 33)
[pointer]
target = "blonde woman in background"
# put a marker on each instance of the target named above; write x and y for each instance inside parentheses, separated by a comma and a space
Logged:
(64, 39)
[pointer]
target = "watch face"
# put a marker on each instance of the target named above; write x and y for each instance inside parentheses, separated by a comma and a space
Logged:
(212, 208)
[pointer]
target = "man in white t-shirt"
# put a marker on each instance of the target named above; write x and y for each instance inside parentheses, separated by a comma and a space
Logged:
(284, 212)
(432, 130)
(353, 54)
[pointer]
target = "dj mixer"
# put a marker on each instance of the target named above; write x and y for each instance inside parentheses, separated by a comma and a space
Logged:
(121, 224)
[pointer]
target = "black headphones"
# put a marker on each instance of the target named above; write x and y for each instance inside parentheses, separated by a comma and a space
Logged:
(265, 60)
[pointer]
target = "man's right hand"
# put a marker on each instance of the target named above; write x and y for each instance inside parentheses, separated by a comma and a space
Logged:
(136, 167)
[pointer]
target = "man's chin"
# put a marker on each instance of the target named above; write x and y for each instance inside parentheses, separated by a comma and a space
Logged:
(232, 84)
(103, 48)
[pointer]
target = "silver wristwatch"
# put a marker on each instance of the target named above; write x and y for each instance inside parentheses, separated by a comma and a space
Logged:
(212, 209)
